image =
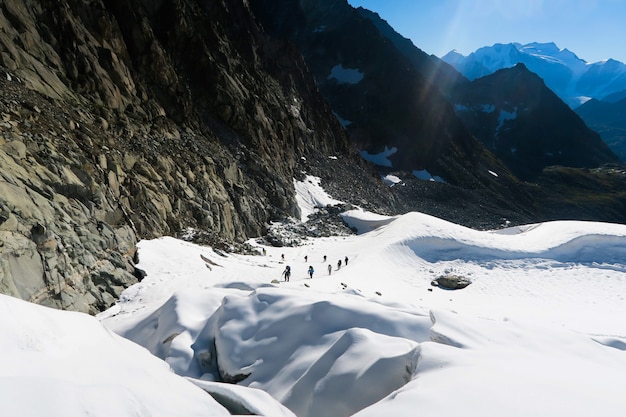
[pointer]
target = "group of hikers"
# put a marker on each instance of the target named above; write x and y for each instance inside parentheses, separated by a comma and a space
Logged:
(287, 272)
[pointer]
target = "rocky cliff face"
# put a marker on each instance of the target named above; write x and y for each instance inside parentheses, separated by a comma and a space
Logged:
(125, 120)
(66, 239)
(386, 100)
(373, 89)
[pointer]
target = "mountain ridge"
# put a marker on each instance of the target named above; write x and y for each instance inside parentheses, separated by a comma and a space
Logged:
(576, 81)
(136, 120)
(410, 114)
(570, 77)
(608, 118)
(526, 125)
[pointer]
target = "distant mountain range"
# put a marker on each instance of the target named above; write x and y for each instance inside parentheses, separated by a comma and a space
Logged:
(596, 91)
(573, 79)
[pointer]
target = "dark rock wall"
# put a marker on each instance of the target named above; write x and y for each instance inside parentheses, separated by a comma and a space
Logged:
(389, 102)
(392, 99)
(123, 120)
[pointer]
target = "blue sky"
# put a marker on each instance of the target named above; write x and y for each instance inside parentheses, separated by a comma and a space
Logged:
(593, 29)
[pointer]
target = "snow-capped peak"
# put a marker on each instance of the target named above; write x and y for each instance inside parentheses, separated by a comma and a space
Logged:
(562, 70)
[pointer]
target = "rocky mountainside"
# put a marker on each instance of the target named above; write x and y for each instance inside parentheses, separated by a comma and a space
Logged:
(433, 69)
(526, 125)
(386, 102)
(373, 89)
(404, 104)
(129, 120)
(609, 120)
(574, 80)
(569, 169)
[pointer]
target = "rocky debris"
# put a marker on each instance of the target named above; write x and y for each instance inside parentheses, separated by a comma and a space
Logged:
(451, 282)
(357, 184)
(219, 245)
(325, 222)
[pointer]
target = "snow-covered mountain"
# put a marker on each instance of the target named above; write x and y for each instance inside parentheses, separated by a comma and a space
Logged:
(573, 79)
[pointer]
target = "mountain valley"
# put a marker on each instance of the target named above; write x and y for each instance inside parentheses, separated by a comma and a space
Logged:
(121, 122)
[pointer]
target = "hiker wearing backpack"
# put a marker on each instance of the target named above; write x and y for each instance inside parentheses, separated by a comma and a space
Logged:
(287, 273)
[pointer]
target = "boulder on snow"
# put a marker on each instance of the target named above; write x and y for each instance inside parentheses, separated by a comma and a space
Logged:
(451, 282)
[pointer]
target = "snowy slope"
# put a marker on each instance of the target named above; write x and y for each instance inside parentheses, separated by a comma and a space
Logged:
(539, 331)
(57, 363)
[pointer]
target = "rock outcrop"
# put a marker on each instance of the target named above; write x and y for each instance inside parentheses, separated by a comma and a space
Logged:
(390, 97)
(451, 282)
(66, 238)
(129, 120)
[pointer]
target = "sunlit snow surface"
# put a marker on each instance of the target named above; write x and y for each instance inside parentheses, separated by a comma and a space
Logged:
(311, 196)
(58, 363)
(540, 331)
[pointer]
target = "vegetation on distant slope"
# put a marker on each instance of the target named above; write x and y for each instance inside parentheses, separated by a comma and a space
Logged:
(582, 194)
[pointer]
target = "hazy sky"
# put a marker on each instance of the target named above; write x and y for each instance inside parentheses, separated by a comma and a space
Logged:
(593, 29)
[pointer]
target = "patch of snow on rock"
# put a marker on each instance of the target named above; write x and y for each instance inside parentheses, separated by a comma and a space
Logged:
(310, 195)
(505, 115)
(380, 159)
(391, 180)
(343, 122)
(345, 75)
(426, 176)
